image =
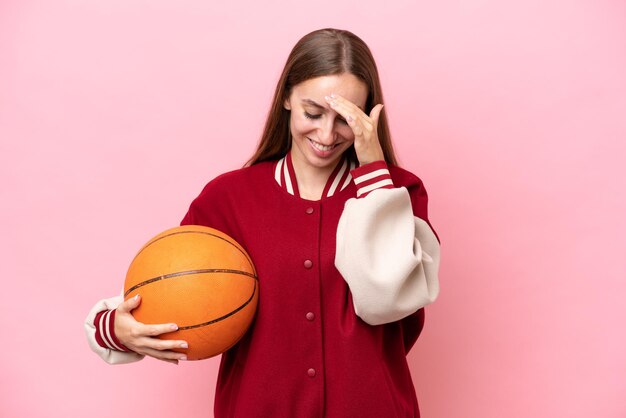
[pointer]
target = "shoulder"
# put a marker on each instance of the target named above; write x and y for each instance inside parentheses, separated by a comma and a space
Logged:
(250, 176)
(417, 192)
(219, 198)
(404, 178)
(415, 187)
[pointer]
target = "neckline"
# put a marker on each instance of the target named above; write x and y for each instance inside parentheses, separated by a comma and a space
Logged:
(338, 182)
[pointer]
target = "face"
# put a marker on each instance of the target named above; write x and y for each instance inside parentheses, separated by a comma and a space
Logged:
(319, 134)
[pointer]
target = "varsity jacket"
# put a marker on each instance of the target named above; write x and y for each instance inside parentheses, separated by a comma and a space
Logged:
(343, 282)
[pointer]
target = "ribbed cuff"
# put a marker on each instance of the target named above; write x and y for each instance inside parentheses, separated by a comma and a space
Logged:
(370, 177)
(105, 331)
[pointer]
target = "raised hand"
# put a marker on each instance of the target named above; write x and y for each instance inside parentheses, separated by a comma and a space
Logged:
(364, 127)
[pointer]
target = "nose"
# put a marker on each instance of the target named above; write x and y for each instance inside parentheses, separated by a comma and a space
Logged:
(327, 134)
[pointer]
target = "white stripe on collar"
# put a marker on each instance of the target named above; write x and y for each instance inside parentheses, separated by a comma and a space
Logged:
(337, 178)
(279, 168)
(288, 179)
(342, 177)
(349, 176)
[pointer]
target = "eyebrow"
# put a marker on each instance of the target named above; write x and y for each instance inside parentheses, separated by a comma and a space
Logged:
(314, 103)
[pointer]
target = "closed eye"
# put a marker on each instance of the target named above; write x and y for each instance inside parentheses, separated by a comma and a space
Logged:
(310, 116)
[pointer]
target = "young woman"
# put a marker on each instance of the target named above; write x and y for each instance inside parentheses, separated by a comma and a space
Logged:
(339, 234)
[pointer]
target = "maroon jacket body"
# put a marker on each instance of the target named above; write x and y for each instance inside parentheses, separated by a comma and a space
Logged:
(307, 354)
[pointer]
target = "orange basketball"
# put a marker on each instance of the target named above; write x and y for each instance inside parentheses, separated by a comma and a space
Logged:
(200, 279)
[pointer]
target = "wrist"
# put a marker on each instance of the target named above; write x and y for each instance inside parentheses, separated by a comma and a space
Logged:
(369, 159)
(105, 331)
(372, 176)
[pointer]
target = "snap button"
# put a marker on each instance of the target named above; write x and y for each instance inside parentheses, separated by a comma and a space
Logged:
(309, 211)
(308, 264)
(310, 316)
(311, 372)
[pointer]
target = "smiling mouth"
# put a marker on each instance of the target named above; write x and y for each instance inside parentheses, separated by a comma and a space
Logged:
(320, 146)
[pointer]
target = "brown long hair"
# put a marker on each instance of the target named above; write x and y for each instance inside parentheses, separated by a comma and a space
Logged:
(320, 53)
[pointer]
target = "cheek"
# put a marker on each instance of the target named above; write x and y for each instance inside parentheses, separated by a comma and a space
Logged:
(301, 124)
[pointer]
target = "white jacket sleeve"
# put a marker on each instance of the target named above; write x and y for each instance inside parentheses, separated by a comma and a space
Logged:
(388, 256)
(110, 355)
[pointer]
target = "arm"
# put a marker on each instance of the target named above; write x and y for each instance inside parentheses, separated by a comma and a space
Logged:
(388, 256)
(114, 334)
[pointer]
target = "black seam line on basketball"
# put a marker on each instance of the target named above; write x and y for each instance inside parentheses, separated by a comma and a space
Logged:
(221, 318)
(197, 232)
(186, 273)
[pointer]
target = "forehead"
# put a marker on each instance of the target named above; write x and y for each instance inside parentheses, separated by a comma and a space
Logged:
(346, 85)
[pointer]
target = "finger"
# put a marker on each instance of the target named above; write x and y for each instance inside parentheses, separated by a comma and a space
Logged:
(350, 111)
(357, 129)
(343, 106)
(160, 345)
(169, 361)
(129, 304)
(347, 104)
(353, 119)
(153, 330)
(164, 355)
(375, 114)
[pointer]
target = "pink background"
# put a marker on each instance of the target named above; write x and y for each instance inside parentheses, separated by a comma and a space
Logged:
(114, 114)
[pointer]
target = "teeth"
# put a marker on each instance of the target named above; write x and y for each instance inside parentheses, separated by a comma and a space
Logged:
(322, 147)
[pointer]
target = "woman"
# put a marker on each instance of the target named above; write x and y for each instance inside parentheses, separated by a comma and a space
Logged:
(340, 239)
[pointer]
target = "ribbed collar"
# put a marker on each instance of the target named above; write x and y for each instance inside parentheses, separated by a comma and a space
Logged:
(285, 176)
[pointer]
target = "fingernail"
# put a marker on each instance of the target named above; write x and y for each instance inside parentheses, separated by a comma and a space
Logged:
(332, 95)
(349, 119)
(328, 98)
(184, 345)
(174, 327)
(136, 296)
(183, 358)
